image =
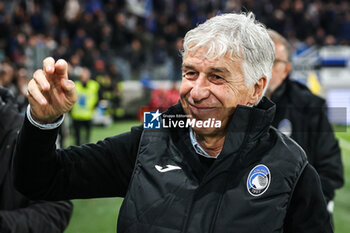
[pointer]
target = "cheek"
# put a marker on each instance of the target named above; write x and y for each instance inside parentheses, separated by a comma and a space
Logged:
(185, 88)
(274, 76)
(233, 97)
(272, 81)
(277, 70)
(224, 95)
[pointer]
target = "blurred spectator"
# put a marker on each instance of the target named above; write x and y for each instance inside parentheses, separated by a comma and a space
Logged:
(71, 10)
(175, 54)
(15, 81)
(142, 37)
(115, 109)
(37, 49)
(303, 117)
(7, 75)
(79, 38)
(91, 54)
(148, 31)
(36, 20)
(22, 81)
(17, 213)
(91, 6)
(109, 80)
(120, 35)
(137, 57)
(84, 109)
(161, 60)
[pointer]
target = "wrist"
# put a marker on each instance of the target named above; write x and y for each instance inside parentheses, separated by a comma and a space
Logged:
(43, 121)
(43, 124)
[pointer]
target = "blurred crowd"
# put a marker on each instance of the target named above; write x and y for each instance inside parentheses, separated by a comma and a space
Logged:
(136, 39)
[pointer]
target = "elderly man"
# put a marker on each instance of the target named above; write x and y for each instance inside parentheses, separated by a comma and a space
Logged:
(302, 116)
(236, 175)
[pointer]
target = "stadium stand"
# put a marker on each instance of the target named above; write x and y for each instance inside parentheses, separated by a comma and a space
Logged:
(140, 39)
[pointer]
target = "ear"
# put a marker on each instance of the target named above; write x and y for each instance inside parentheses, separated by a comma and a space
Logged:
(257, 90)
(287, 69)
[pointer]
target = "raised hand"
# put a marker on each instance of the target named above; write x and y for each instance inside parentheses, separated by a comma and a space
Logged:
(50, 92)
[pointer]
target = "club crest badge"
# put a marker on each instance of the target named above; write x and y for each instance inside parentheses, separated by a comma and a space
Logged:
(258, 180)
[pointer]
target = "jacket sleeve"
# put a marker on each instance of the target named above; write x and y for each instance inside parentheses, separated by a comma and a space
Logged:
(93, 170)
(307, 211)
(43, 217)
(326, 154)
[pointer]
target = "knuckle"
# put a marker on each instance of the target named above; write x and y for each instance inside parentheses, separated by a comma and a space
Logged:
(62, 61)
(31, 86)
(37, 73)
(49, 59)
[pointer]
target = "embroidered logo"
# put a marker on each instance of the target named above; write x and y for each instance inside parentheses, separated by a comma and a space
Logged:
(258, 180)
(285, 126)
(167, 168)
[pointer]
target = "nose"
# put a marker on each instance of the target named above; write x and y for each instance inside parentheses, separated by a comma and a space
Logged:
(200, 89)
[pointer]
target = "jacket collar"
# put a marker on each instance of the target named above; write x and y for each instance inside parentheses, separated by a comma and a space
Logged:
(246, 124)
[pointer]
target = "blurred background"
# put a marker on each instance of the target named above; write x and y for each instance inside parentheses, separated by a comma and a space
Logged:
(131, 49)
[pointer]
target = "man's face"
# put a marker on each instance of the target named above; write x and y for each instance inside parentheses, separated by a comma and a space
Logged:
(85, 75)
(213, 89)
(281, 68)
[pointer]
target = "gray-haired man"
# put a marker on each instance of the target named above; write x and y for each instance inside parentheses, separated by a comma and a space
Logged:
(216, 165)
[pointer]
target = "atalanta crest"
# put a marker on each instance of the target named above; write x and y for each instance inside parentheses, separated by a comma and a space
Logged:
(258, 180)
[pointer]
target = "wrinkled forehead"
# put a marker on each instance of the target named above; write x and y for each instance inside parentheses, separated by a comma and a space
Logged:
(209, 54)
(200, 61)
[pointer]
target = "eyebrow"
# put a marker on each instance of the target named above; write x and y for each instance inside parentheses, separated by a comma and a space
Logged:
(219, 69)
(212, 69)
(186, 66)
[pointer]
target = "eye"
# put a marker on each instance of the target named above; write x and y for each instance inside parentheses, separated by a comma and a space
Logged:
(190, 74)
(216, 79)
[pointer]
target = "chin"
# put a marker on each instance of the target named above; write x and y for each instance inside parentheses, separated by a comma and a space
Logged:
(206, 131)
(208, 127)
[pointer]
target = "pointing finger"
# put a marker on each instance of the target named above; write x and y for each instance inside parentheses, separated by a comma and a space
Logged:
(61, 68)
(41, 80)
(49, 65)
(35, 93)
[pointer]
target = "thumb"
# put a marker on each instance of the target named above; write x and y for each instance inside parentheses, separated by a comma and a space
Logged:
(70, 90)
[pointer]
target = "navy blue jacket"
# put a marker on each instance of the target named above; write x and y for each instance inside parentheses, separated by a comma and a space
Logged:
(303, 117)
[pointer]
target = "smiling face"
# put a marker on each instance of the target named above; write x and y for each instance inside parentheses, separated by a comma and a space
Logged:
(213, 89)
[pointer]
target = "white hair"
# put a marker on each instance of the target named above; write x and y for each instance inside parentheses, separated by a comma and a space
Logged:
(241, 37)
